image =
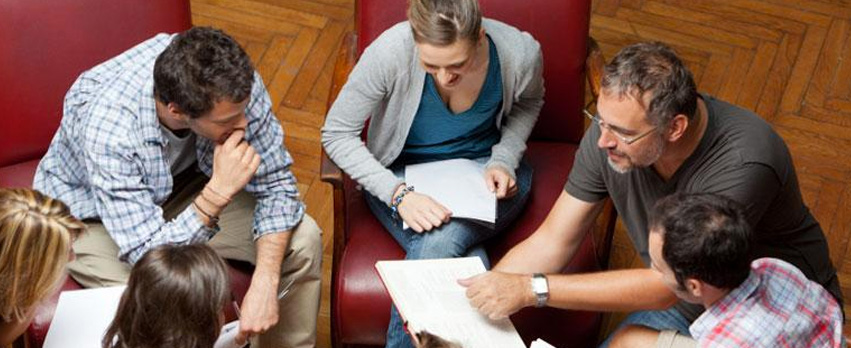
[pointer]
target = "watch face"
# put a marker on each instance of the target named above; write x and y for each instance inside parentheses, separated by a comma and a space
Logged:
(539, 285)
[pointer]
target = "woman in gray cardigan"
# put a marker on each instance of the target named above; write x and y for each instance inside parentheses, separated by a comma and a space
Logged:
(445, 84)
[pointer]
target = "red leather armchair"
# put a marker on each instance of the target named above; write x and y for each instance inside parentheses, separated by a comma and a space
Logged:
(360, 307)
(44, 46)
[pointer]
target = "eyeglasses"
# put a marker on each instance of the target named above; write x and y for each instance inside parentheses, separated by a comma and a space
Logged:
(603, 125)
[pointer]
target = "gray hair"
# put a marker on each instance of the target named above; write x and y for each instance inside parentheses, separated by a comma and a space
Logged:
(652, 68)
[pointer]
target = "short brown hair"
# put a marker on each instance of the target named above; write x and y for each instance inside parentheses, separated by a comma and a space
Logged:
(36, 233)
(200, 67)
(174, 299)
(443, 22)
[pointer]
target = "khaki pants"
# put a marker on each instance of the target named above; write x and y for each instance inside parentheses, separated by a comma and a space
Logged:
(673, 339)
(97, 263)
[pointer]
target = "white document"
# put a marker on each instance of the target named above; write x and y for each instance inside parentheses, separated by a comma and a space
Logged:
(227, 337)
(539, 343)
(82, 317)
(428, 297)
(458, 184)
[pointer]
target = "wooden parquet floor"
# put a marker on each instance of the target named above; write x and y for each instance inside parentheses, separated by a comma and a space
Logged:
(790, 61)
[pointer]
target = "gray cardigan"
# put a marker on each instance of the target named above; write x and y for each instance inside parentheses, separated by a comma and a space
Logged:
(387, 84)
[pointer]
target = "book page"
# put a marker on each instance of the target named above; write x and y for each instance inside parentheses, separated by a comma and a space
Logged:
(227, 336)
(457, 184)
(428, 296)
(539, 343)
(82, 317)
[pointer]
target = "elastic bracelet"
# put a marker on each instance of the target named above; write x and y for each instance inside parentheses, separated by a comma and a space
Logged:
(213, 219)
(208, 200)
(219, 195)
(398, 200)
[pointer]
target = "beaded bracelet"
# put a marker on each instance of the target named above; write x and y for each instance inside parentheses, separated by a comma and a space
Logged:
(398, 200)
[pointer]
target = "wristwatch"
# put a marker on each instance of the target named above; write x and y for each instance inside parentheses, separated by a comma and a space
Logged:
(541, 289)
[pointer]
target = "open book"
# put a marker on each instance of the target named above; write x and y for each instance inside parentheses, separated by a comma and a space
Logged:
(428, 297)
(458, 184)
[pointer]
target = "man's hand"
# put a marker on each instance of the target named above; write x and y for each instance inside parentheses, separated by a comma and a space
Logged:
(234, 164)
(498, 295)
(500, 182)
(259, 307)
(421, 212)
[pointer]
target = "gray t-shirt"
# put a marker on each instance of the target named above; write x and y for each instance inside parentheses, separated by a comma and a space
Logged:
(740, 156)
(179, 150)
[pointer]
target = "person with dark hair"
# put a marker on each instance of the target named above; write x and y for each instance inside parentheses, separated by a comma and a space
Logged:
(175, 297)
(425, 339)
(445, 84)
(699, 247)
(653, 135)
(174, 141)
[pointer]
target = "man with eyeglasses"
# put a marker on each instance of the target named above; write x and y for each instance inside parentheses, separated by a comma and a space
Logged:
(655, 136)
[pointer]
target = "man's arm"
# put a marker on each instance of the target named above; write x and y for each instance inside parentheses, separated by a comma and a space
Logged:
(553, 244)
(498, 294)
(277, 213)
(508, 288)
(260, 305)
(125, 189)
(610, 291)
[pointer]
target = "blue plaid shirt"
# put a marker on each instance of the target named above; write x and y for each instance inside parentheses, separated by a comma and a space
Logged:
(108, 161)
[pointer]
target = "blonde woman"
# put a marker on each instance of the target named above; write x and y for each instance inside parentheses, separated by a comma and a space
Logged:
(36, 234)
(445, 84)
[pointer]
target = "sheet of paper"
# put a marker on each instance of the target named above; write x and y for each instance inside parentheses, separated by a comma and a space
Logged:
(458, 184)
(82, 317)
(428, 296)
(539, 343)
(227, 337)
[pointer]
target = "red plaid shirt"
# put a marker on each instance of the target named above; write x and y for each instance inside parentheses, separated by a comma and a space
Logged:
(776, 306)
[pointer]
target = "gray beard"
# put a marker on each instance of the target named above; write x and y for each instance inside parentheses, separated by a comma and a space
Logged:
(656, 153)
(617, 168)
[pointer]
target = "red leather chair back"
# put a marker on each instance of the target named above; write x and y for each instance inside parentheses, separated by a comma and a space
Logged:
(45, 45)
(561, 26)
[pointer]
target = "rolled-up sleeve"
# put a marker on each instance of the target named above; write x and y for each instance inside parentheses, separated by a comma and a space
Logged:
(279, 207)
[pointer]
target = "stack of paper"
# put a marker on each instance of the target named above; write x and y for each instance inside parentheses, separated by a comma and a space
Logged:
(82, 317)
(457, 184)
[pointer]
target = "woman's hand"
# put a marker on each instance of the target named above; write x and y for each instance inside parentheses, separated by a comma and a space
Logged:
(500, 182)
(421, 212)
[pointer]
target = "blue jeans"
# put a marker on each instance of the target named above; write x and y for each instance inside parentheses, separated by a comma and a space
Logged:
(459, 237)
(669, 319)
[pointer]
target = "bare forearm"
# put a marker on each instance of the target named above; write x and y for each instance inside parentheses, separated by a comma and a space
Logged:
(537, 254)
(555, 242)
(270, 254)
(611, 291)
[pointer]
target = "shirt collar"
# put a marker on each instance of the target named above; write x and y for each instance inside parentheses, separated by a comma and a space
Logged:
(711, 317)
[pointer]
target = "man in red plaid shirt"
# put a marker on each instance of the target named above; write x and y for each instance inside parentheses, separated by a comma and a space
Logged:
(699, 246)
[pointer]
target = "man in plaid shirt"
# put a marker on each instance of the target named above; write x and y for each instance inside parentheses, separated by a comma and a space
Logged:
(174, 142)
(699, 246)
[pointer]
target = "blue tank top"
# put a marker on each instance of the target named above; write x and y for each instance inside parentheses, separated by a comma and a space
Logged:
(437, 134)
